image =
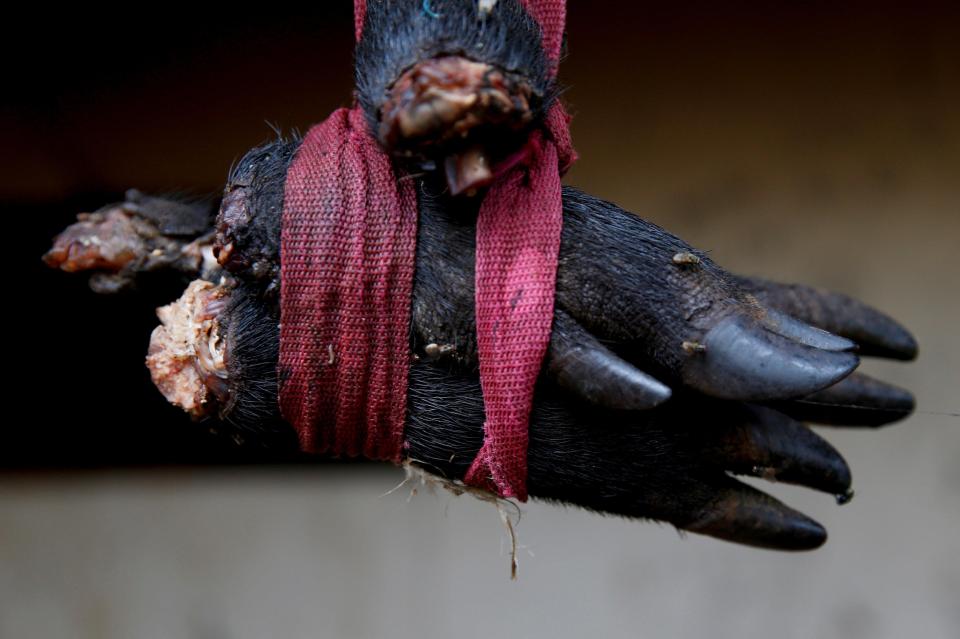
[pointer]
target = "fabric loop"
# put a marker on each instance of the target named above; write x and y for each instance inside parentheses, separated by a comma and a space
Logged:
(348, 243)
(518, 247)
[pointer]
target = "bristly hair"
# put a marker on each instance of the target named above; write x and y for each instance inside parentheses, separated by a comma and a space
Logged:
(251, 330)
(261, 175)
(577, 452)
(399, 33)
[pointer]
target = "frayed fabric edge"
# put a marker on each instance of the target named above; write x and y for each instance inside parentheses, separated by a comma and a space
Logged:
(416, 476)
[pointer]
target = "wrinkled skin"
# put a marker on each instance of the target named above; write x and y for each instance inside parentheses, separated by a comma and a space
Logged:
(664, 372)
(455, 95)
(670, 462)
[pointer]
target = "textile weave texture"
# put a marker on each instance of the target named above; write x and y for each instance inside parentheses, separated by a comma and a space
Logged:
(348, 243)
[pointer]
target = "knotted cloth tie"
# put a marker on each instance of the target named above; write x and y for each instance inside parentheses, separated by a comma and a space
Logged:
(348, 243)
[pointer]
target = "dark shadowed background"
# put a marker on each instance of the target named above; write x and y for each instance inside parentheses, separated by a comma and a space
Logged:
(801, 141)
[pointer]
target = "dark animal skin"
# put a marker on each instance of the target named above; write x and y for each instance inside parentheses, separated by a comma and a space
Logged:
(632, 301)
(399, 35)
(248, 239)
(659, 330)
(618, 276)
(669, 463)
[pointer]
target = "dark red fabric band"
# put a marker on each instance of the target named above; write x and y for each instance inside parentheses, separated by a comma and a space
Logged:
(518, 244)
(347, 253)
(348, 241)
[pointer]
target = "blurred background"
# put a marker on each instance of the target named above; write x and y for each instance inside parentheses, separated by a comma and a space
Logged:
(815, 142)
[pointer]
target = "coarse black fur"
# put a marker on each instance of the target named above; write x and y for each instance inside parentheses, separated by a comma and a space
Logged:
(615, 274)
(619, 279)
(445, 402)
(250, 213)
(399, 33)
(640, 290)
(619, 463)
(250, 326)
(577, 453)
(669, 464)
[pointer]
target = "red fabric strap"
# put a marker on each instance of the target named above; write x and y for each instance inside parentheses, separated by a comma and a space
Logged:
(348, 241)
(347, 251)
(518, 246)
(551, 15)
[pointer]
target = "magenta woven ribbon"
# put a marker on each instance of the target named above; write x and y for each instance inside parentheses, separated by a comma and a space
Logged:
(347, 253)
(348, 241)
